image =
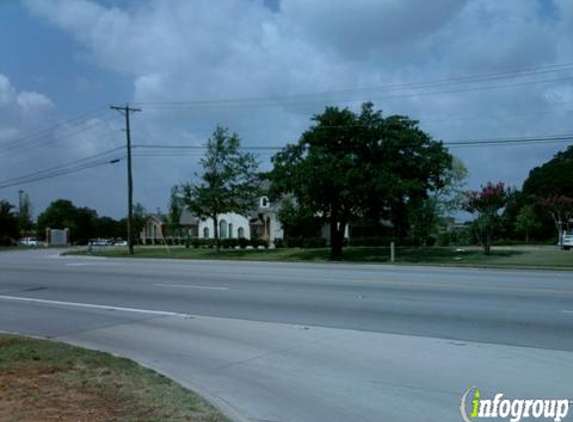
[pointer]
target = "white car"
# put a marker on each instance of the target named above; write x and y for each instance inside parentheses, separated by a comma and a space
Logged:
(28, 241)
(100, 242)
(567, 240)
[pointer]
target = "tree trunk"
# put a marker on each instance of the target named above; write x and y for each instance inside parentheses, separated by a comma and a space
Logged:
(216, 233)
(559, 227)
(527, 236)
(335, 246)
(487, 242)
(336, 239)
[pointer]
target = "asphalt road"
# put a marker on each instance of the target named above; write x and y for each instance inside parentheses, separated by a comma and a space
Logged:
(307, 342)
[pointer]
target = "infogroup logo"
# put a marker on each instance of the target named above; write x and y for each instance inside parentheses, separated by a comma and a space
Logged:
(474, 407)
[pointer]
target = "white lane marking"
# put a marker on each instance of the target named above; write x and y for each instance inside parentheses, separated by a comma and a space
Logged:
(567, 312)
(77, 264)
(92, 306)
(190, 286)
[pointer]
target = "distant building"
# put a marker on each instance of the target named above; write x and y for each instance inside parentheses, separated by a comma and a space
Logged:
(261, 223)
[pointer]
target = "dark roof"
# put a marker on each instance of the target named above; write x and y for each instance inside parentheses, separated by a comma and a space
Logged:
(188, 219)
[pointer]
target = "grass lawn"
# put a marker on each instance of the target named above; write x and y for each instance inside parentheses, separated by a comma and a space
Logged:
(511, 257)
(42, 380)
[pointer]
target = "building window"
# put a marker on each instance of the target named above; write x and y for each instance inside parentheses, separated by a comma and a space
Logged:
(264, 202)
(206, 232)
(230, 230)
(241, 233)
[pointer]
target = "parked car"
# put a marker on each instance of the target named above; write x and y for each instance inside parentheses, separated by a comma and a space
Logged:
(567, 240)
(28, 241)
(100, 242)
(120, 243)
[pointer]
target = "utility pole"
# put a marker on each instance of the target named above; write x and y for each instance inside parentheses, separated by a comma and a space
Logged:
(126, 110)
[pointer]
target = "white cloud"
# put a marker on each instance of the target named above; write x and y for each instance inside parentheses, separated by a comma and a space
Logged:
(7, 91)
(28, 144)
(21, 110)
(33, 101)
(180, 50)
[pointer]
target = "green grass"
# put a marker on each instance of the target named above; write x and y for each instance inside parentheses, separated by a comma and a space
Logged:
(548, 257)
(46, 380)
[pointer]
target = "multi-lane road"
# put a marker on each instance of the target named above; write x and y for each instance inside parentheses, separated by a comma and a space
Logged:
(307, 342)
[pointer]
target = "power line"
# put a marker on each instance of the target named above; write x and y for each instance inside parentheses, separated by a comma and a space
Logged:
(42, 132)
(60, 173)
(97, 160)
(41, 141)
(523, 140)
(60, 169)
(320, 96)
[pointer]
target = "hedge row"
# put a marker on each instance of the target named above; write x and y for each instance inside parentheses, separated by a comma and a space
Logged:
(227, 243)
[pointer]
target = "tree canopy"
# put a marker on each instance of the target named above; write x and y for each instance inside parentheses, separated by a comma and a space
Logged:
(8, 223)
(349, 165)
(487, 203)
(229, 181)
(83, 222)
(544, 183)
(62, 213)
(552, 178)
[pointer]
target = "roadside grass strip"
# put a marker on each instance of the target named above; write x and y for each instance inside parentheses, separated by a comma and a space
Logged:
(44, 380)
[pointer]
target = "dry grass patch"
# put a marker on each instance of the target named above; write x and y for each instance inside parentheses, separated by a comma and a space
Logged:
(50, 381)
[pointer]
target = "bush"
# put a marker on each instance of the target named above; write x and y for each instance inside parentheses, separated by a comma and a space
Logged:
(229, 243)
(445, 239)
(255, 243)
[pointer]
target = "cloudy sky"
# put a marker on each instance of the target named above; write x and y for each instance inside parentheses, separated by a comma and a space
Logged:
(467, 70)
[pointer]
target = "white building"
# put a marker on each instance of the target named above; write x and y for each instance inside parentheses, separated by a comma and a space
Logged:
(231, 226)
(261, 223)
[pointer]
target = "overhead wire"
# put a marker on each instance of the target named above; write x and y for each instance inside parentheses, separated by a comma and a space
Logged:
(79, 119)
(62, 169)
(175, 149)
(324, 96)
(76, 125)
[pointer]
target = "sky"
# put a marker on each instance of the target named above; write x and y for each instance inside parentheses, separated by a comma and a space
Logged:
(466, 70)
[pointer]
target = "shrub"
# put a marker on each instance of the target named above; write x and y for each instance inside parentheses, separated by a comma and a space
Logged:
(445, 238)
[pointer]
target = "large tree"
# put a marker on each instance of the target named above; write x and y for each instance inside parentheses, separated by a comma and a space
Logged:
(526, 221)
(8, 223)
(229, 181)
(487, 203)
(560, 207)
(62, 214)
(550, 180)
(350, 165)
(175, 208)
